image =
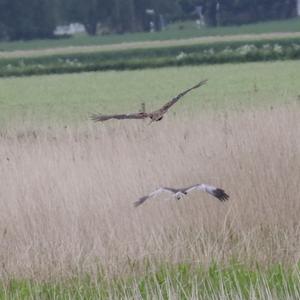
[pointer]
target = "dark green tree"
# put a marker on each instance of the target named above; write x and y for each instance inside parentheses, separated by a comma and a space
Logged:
(88, 12)
(27, 19)
(226, 12)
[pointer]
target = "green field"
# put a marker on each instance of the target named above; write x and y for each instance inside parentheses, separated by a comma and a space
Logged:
(73, 97)
(188, 30)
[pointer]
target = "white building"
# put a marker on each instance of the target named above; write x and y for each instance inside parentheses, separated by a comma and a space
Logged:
(69, 29)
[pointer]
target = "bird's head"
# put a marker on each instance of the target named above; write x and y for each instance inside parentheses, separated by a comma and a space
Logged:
(155, 119)
(157, 116)
(179, 195)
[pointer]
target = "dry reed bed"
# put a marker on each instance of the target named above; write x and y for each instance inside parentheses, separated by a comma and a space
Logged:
(66, 194)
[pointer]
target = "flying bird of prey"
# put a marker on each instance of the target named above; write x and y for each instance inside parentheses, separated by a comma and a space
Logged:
(156, 115)
(180, 193)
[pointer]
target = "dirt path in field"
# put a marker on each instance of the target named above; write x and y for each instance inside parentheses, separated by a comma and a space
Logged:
(147, 44)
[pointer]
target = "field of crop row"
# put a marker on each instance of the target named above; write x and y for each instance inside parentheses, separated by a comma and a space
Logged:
(155, 56)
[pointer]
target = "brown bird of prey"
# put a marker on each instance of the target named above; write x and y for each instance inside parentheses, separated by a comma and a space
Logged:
(156, 115)
(180, 193)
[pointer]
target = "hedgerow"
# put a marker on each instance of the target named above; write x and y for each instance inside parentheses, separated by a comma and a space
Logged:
(221, 52)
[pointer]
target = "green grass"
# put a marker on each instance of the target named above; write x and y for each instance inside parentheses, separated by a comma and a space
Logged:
(182, 281)
(189, 30)
(71, 97)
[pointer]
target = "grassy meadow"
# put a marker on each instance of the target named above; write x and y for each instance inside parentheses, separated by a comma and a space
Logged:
(60, 99)
(67, 223)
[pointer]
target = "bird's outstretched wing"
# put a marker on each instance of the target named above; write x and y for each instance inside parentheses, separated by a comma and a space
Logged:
(153, 194)
(102, 118)
(175, 99)
(214, 191)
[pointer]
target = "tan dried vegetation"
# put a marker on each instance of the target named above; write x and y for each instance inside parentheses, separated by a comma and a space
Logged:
(66, 195)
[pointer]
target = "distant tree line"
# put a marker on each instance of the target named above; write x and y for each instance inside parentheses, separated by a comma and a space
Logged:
(29, 19)
(236, 12)
(118, 15)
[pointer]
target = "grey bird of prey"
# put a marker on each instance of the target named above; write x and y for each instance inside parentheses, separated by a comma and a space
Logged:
(156, 115)
(180, 193)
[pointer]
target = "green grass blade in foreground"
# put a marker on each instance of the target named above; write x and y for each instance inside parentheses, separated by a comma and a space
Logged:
(182, 281)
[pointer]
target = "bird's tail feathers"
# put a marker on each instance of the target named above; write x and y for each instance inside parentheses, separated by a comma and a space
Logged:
(98, 117)
(140, 201)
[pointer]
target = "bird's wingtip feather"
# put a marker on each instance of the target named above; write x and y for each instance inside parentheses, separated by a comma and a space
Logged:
(220, 194)
(94, 117)
(136, 203)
